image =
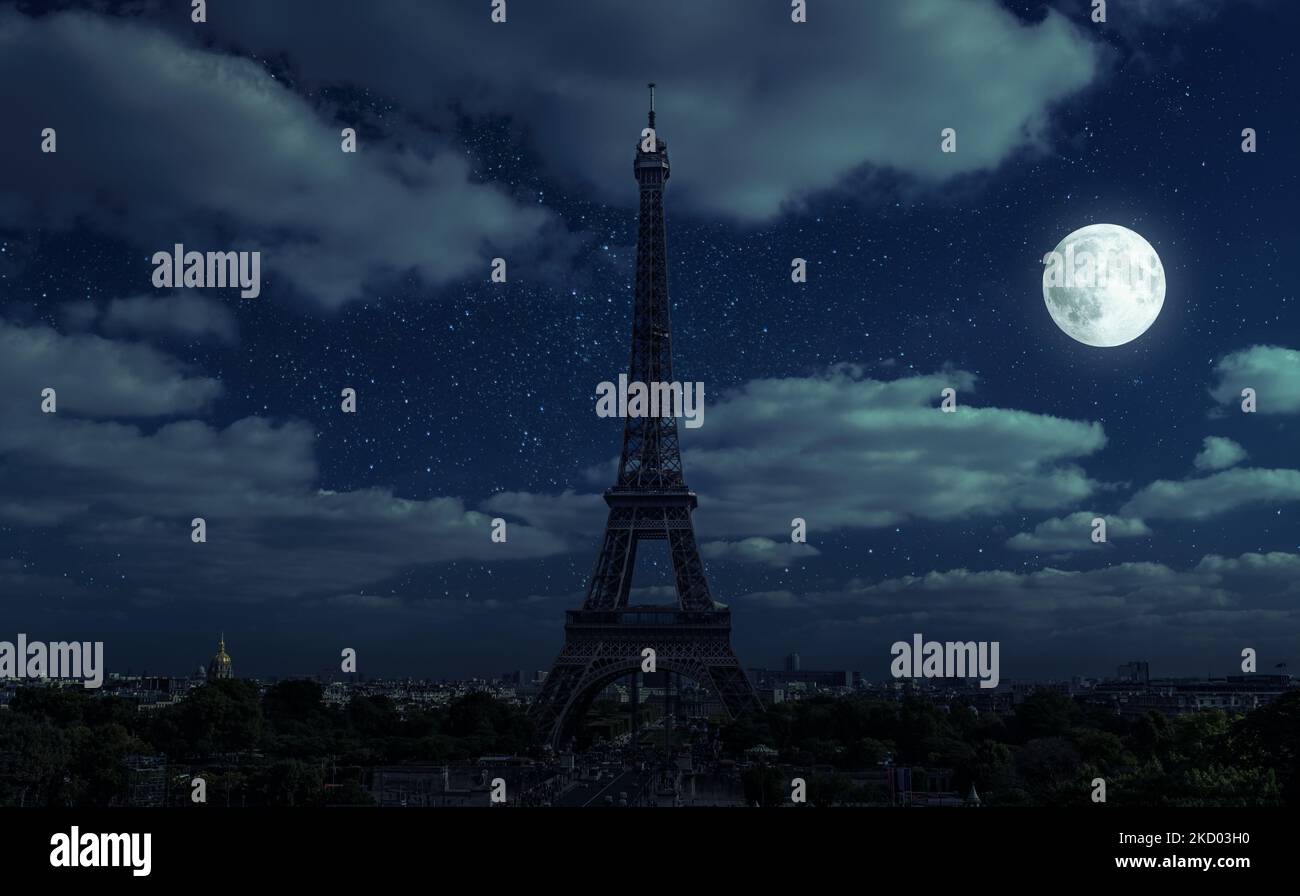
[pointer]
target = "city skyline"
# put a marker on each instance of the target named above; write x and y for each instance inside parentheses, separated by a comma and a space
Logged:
(331, 672)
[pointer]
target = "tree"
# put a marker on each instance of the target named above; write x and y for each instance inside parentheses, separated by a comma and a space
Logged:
(764, 785)
(483, 724)
(34, 755)
(296, 700)
(1048, 764)
(97, 769)
(1046, 714)
(290, 782)
(1269, 738)
(222, 716)
(826, 790)
(747, 731)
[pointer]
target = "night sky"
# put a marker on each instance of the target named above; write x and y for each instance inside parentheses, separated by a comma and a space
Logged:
(476, 400)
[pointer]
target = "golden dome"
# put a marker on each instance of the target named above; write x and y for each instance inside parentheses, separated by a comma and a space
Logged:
(221, 665)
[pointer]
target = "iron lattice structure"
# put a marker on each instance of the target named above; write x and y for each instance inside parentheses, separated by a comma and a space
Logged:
(604, 640)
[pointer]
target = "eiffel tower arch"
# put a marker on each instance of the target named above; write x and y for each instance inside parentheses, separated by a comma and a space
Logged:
(604, 640)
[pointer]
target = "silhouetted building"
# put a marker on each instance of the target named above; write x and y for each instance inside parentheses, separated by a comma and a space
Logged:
(220, 666)
(146, 780)
(766, 679)
(1175, 697)
(1137, 670)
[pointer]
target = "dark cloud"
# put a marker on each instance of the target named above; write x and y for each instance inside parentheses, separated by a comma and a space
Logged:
(776, 554)
(1216, 607)
(844, 451)
(570, 511)
(180, 315)
(91, 376)
(786, 111)
(183, 315)
(130, 492)
(1166, 11)
(165, 143)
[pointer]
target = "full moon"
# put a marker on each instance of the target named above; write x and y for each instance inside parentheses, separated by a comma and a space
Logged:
(1104, 285)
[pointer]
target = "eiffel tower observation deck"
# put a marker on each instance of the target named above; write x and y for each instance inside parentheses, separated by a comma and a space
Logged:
(605, 640)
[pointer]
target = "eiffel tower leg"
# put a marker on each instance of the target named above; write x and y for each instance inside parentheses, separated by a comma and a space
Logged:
(688, 568)
(734, 688)
(611, 580)
(547, 711)
(636, 706)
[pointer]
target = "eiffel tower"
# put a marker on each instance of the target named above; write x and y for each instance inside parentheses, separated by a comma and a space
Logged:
(604, 640)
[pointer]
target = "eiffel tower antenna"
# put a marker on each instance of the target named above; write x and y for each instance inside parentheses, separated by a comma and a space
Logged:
(605, 640)
(651, 85)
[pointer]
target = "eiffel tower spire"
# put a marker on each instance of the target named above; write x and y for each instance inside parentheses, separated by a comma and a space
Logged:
(651, 457)
(605, 640)
(650, 498)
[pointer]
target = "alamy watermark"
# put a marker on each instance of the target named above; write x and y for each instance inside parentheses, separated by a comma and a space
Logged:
(1085, 268)
(77, 850)
(198, 270)
(946, 659)
(638, 399)
(55, 659)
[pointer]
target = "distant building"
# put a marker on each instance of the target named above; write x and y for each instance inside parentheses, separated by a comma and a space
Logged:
(146, 780)
(1137, 670)
(792, 662)
(765, 679)
(1175, 697)
(220, 666)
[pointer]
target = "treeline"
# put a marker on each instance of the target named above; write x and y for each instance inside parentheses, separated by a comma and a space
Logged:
(1048, 753)
(61, 747)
